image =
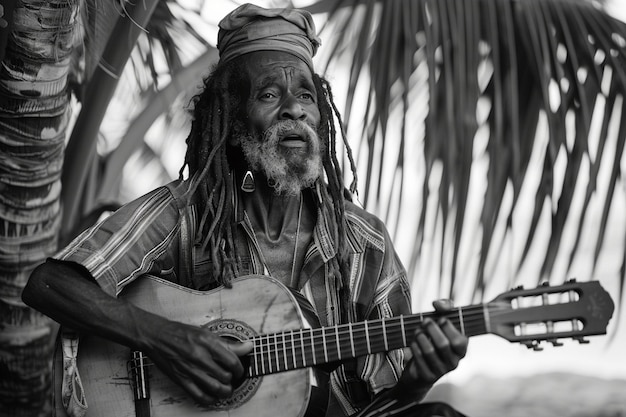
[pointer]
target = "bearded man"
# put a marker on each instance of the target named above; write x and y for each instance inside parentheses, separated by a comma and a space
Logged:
(260, 192)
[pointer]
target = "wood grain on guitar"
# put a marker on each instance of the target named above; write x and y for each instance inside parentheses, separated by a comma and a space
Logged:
(283, 372)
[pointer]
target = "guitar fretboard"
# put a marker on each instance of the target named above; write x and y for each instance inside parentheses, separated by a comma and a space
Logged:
(302, 348)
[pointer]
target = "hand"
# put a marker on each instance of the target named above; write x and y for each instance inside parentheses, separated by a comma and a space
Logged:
(204, 364)
(437, 349)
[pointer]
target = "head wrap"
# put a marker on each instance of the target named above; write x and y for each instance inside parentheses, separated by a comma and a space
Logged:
(251, 28)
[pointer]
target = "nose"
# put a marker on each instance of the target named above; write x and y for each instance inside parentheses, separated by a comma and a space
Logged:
(291, 109)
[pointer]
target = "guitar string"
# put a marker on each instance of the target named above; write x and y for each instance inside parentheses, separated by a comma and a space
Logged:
(474, 319)
(470, 319)
(267, 346)
(270, 352)
(393, 324)
(314, 336)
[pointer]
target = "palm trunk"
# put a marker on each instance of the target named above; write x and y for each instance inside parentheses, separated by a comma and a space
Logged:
(34, 113)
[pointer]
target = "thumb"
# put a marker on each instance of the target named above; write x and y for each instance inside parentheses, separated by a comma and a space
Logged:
(240, 348)
(443, 304)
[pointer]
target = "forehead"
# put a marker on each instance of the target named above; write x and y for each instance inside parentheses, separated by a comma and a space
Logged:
(266, 67)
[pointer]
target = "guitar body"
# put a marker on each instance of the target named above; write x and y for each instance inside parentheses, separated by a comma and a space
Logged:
(254, 305)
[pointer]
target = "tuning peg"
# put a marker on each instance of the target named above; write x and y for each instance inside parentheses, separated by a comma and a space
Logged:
(581, 340)
(555, 342)
(532, 344)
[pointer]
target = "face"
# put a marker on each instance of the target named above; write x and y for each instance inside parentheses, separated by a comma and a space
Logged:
(282, 121)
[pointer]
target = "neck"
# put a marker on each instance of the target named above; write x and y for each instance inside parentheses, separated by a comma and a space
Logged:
(269, 212)
(283, 226)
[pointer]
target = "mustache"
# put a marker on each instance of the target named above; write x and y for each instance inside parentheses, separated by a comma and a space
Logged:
(290, 127)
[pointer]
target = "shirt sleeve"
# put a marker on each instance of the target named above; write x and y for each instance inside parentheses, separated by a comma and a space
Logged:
(135, 240)
(391, 298)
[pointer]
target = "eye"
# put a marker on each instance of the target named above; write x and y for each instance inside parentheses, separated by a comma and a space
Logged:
(307, 96)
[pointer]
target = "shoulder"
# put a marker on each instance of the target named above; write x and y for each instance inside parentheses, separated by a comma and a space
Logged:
(366, 228)
(160, 205)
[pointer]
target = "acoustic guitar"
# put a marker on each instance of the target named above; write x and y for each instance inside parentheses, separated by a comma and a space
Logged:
(285, 372)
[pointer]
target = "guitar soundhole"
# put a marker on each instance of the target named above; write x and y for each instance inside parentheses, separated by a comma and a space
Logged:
(246, 387)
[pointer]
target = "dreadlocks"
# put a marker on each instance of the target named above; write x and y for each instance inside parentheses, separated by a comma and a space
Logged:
(216, 111)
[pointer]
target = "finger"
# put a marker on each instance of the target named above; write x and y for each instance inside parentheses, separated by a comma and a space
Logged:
(197, 394)
(240, 348)
(443, 304)
(201, 387)
(450, 345)
(209, 385)
(458, 341)
(433, 345)
(420, 369)
(222, 358)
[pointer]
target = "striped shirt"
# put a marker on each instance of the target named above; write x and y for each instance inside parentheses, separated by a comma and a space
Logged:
(144, 236)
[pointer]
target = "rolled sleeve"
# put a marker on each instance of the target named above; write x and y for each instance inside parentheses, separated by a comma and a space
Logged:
(134, 240)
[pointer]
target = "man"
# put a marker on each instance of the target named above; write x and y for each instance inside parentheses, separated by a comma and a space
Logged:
(264, 195)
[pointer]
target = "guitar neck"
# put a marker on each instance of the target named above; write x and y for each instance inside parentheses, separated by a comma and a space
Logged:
(295, 349)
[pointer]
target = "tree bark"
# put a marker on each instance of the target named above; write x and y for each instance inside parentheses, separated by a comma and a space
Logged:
(34, 115)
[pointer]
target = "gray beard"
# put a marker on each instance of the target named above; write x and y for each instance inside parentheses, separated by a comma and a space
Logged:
(288, 171)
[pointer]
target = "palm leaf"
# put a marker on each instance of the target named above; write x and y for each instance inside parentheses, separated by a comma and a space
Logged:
(540, 70)
(165, 38)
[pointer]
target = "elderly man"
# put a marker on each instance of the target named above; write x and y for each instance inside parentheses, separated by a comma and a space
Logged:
(261, 192)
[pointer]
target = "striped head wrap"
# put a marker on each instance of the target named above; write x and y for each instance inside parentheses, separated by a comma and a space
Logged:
(251, 28)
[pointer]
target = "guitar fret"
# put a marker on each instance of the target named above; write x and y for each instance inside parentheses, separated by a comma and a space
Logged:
(486, 315)
(313, 347)
(351, 339)
(276, 352)
(385, 334)
(285, 351)
(302, 347)
(367, 337)
(337, 340)
(263, 356)
(269, 355)
(293, 350)
(256, 360)
(461, 321)
(324, 344)
(403, 330)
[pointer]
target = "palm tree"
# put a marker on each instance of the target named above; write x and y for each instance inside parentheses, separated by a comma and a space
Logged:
(507, 79)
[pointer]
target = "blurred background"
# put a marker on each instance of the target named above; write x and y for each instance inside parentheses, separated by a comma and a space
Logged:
(488, 134)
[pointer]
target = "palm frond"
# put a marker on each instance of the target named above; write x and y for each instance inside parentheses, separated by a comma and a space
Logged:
(158, 43)
(507, 81)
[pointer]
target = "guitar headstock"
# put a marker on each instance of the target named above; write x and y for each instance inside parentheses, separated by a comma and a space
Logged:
(549, 313)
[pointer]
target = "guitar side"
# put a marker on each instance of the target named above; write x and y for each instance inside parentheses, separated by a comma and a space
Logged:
(254, 305)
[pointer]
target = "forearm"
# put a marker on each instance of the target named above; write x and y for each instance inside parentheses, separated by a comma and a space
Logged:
(71, 297)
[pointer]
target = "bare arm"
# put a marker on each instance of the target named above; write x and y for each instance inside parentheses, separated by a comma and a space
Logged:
(202, 363)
